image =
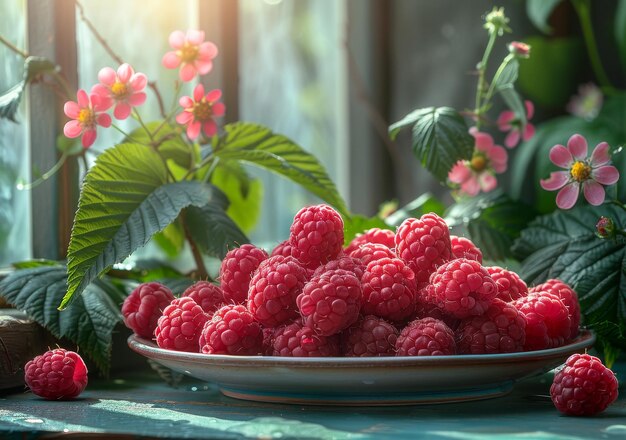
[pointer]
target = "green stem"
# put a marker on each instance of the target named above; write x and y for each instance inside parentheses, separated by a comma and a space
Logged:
(45, 176)
(618, 203)
(148, 132)
(582, 8)
(13, 47)
(126, 135)
(203, 274)
(492, 87)
(211, 169)
(482, 67)
(64, 84)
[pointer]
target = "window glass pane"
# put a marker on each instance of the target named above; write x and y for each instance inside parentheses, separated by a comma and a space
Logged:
(292, 79)
(15, 243)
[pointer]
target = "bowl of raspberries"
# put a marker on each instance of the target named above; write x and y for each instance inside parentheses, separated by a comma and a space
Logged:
(404, 317)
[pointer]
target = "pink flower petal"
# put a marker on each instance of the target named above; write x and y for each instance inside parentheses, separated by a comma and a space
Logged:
(82, 99)
(218, 109)
(557, 180)
(100, 89)
(124, 72)
(577, 145)
(530, 109)
(137, 99)
(499, 158)
(504, 120)
(207, 51)
(488, 182)
(484, 141)
(606, 175)
(71, 109)
(214, 95)
(566, 198)
(512, 139)
(594, 192)
(106, 76)
(203, 67)
(121, 111)
(100, 103)
(187, 72)
(529, 131)
(210, 128)
(170, 60)
(88, 138)
(72, 129)
(471, 187)
(184, 117)
(195, 37)
(103, 120)
(185, 102)
(138, 82)
(177, 39)
(600, 154)
(198, 92)
(459, 173)
(560, 156)
(193, 129)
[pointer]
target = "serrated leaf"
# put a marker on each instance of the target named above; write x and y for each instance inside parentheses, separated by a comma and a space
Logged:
(88, 322)
(259, 146)
(170, 143)
(539, 12)
(422, 205)
(31, 264)
(245, 195)
(357, 224)
(120, 207)
(213, 231)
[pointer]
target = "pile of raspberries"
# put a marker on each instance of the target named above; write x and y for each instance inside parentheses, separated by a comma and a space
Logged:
(417, 292)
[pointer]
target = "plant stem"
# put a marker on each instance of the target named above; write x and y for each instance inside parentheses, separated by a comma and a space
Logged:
(482, 67)
(582, 8)
(96, 34)
(157, 93)
(148, 132)
(507, 60)
(618, 203)
(13, 47)
(45, 176)
(197, 256)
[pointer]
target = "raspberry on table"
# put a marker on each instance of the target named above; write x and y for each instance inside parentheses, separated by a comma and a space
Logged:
(316, 235)
(569, 298)
(283, 248)
(232, 330)
(424, 244)
(295, 340)
(206, 294)
(180, 325)
(237, 269)
(369, 336)
(331, 301)
(343, 262)
(385, 237)
(547, 320)
(427, 310)
(274, 289)
(143, 307)
(56, 375)
(464, 248)
(369, 252)
(502, 329)
(462, 288)
(510, 285)
(426, 337)
(584, 386)
(388, 289)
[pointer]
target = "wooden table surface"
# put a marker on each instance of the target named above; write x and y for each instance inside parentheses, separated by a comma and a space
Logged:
(141, 405)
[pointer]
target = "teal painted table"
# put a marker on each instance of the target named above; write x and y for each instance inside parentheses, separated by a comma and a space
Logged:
(142, 406)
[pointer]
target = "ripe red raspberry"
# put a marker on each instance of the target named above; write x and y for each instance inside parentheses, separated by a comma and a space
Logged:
(427, 310)
(510, 285)
(388, 289)
(547, 320)
(274, 289)
(331, 301)
(464, 248)
(283, 248)
(569, 298)
(462, 288)
(369, 336)
(207, 295)
(425, 337)
(502, 329)
(236, 271)
(374, 235)
(343, 262)
(294, 340)
(369, 252)
(316, 235)
(143, 307)
(180, 326)
(424, 244)
(232, 330)
(584, 386)
(56, 375)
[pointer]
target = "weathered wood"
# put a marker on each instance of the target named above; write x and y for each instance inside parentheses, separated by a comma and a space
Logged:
(21, 339)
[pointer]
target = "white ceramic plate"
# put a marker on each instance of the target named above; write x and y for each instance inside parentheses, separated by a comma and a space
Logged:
(364, 381)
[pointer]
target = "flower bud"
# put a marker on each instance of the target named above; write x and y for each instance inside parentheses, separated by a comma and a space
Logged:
(519, 49)
(496, 22)
(605, 228)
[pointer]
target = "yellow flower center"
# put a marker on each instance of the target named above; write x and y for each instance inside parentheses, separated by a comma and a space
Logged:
(478, 162)
(120, 90)
(580, 171)
(87, 117)
(188, 53)
(202, 110)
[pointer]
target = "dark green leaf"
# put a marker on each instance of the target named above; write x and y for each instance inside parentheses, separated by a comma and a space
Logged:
(31, 264)
(509, 74)
(408, 121)
(620, 30)
(357, 224)
(121, 206)
(539, 12)
(259, 146)
(88, 322)
(169, 138)
(422, 205)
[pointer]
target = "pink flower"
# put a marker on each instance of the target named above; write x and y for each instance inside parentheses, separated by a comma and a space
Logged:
(124, 89)
(588, 174)
(508, 122)
(519, 49)
(478, 174)
(199, 112)
(588, 103)
(87, 115)
(191, 53)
